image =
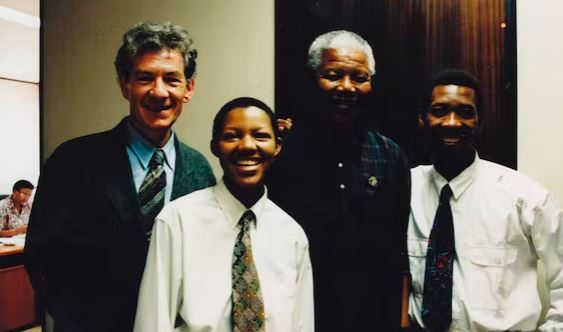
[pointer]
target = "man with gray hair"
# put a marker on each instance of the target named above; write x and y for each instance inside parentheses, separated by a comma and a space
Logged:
(98, 194)
(348, 186)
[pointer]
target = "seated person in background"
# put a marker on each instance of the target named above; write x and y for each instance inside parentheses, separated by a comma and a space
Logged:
(15, 209)
(478, 229)
(226, 258)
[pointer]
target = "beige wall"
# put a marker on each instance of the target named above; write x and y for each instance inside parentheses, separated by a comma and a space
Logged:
(235, 40)
(540, 94)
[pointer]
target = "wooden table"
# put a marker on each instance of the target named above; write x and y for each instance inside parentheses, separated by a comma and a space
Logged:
(10, 250)
(16, 294)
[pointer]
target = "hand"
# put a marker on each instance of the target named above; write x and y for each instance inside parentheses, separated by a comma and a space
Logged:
(9, 232)
(284, 124)
(13, 232)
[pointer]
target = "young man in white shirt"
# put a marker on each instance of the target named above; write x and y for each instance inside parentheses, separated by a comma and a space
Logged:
(478, 229)
(196, 278)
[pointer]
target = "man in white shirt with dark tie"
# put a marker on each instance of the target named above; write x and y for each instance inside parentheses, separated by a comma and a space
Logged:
(503, 224)
(226, 258)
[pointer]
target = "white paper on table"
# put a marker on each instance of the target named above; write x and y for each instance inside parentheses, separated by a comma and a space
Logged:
(18, 240)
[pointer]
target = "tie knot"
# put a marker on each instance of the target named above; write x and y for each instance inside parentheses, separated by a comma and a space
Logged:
(157, 158)
(446, 194)
(247, 217)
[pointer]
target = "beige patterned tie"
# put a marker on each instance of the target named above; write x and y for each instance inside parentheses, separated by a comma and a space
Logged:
(248, 305)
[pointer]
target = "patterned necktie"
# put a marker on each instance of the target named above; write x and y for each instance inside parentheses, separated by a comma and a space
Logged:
(248, 305)
(151, 192)
(437, 298)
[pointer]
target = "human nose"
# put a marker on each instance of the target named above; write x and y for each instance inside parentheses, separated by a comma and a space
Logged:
(158, 89)
(452, 120)
(247, 143)
(346, 84)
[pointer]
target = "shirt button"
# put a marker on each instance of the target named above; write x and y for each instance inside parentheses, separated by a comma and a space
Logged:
(342, 186)
(340, 165)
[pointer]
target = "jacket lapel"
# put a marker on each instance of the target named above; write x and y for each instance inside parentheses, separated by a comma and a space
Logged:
(182, 183)
(119, 179)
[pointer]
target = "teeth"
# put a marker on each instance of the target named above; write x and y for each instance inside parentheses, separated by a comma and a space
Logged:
(451, 140)
(158, 108)
(247, 162)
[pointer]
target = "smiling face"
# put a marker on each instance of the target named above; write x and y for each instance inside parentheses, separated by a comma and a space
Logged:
(246, 146)
(452, 118)
(345, 80)
(156, 90)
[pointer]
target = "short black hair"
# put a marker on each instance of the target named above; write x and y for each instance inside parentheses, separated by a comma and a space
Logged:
(152, 36)
(243, 102)
(21, 184)
(453, 76)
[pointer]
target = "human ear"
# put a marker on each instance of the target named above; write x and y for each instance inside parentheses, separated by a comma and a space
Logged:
(278, 146)
(190, 87)
(213, 147)
(421, 123)
(123, 86)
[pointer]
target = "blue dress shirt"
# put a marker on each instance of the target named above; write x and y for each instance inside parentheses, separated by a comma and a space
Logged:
(140, 152)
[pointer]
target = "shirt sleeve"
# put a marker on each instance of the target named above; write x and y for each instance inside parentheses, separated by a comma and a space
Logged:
(4, 216)
(547, 236)
(160, 294)
(51, 211)
(303, 314)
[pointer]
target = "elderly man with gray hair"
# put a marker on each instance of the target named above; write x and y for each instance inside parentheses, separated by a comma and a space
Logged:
(98, 195)
(349, 187)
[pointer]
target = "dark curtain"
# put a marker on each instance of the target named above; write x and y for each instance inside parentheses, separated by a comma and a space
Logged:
(412, 40)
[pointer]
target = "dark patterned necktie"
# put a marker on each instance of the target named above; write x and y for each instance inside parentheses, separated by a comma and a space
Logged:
(248, 305)
(151, 192)
(437, 298)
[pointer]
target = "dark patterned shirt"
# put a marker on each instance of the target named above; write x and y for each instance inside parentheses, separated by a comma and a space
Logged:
(352, 198)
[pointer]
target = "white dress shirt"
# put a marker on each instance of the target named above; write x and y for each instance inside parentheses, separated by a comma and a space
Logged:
(188, 270)
(504, 222)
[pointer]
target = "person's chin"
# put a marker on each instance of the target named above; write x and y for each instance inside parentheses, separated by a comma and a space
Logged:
(248, 183)
(450, 148)
(160, 123)
(344, 122)
(245, 176)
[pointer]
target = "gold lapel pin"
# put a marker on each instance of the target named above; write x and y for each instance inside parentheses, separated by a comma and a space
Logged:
(372, 181)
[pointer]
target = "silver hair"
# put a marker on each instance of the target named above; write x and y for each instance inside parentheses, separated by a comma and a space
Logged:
(337, 39)
(151, 36)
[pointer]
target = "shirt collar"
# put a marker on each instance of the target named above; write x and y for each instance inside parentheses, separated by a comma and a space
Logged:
(12, 205)
(458, 184)
(144, 150)
(11, 202)
(232, 208)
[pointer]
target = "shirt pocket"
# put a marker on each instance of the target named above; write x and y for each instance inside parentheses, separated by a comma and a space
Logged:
(417, 249)
(485, 277)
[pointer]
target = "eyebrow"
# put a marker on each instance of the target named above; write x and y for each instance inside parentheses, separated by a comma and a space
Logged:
(148, 72)
(265, 127)
(441, 103)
